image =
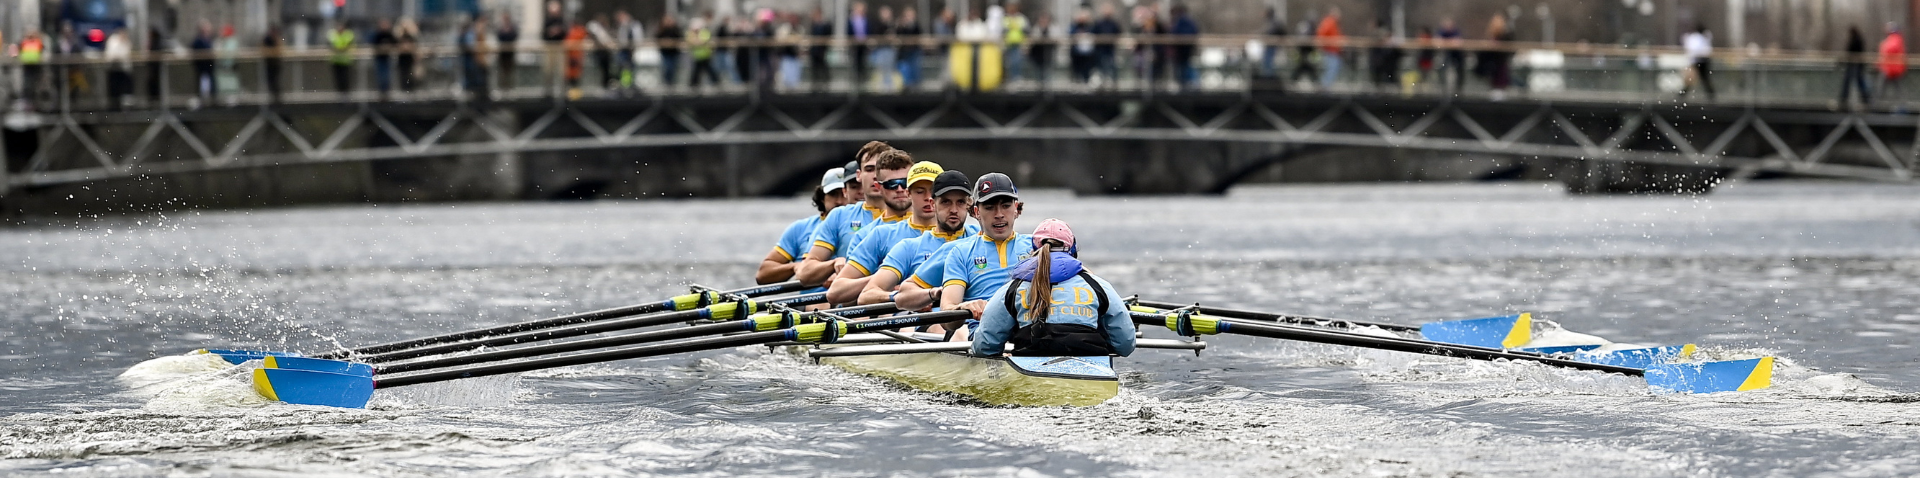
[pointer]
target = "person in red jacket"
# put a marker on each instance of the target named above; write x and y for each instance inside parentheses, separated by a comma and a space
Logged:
(1893, 63)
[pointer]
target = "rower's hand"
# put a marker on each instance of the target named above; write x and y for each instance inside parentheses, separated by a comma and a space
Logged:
(975, 306)
(839, 262)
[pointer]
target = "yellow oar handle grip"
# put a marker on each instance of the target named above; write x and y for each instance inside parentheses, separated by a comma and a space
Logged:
(1188, 324)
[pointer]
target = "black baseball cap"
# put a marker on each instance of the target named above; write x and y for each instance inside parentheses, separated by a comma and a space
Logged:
(852, 171)
(994, 185)
(952, 180)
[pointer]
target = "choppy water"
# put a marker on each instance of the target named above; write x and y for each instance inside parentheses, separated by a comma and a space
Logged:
(1826, 276)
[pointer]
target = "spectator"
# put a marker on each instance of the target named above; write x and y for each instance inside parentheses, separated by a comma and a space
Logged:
(1384, 58)
(119, 56)
(271, 47)
(1893, 65)
(507, 36)
(341, 41)
(789, 33)
(1329, 39)
(226, 81)
(1275, 31)
(1306, 66)
(1183, 26)
(576, 44)
(1855, 67)
(203, 61)
(910, 34)
(1423, 65)
(670, 38)
(1456, 58)
(700, 41)
(553, 31)
(629, 34)
(1080, 58)
(603, 43)
(1014, 41)
(33, 56)
(384, 44)
(1105, 30)
(1148, 56)
(857, 31)
(883, 53)
(473, 58)
(821, 31)
(1698, 45)
(1044, 47)
(761, 53)
(944, 28)
(408, 37)
(73, 80)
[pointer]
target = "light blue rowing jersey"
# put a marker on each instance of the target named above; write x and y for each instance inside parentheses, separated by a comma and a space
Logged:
(906, 257)
(839, 232)
(874, 242)
(979, 263)
(798, 238)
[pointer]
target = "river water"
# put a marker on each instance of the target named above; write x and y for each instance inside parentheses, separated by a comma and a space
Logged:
(1825, 276)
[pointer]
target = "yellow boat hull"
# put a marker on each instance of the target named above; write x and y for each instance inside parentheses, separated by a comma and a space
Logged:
(993, 380)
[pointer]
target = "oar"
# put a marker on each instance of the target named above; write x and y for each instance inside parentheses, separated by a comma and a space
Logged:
(1511, 332)
(756, 323)
(1273, 317)
(724, 310)
(701, 297)
(306, 387)
(685, 302)
(1703, 377)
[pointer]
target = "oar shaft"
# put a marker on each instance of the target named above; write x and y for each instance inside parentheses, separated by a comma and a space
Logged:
(583, 317)
(622, 340)
(1282, 318)
(731, 311)
(1334, 337)
(806, 333)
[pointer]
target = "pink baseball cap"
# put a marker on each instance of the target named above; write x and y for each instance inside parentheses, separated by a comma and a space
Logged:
(1053, 229)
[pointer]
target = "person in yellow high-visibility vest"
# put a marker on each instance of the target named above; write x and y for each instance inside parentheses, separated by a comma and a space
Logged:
(341, 41)
(1015, 39)
(33, 50)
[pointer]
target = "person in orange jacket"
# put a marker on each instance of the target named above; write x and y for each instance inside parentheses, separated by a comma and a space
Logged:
(576, 43)
(1893, 62)
(1328, 36)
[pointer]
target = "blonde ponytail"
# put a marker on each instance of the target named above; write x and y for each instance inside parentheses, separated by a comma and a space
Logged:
(1040, 292)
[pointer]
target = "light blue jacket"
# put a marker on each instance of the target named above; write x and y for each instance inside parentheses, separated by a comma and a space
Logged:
(1074, 302)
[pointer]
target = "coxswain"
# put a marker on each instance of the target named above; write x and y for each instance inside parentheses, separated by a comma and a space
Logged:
(952, 200)
(969, 271)
(840, 231)
(796, 240)
(1051, 306)
(874, 242)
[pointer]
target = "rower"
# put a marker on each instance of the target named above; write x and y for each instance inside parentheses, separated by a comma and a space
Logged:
(778, 266)
(969, 271)
(1052, 306)
(840, 230)
(852, 193)
(874, 242)
(952, 197)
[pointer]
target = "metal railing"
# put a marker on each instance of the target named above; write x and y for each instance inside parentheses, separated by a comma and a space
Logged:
(1144, 64)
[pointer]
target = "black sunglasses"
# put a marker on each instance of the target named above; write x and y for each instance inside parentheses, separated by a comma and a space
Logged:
(894, 184)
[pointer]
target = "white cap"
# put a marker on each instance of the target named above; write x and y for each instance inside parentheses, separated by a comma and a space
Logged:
(833, 180)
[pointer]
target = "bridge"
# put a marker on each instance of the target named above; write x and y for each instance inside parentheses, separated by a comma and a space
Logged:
(1596, 126)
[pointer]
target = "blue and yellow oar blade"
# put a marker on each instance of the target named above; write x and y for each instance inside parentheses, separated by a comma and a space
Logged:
(236, 357)
(318, 365)
(307, 387)
(1561, 349)
(1492, 332)
(1646, 357)
(1709, 377)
